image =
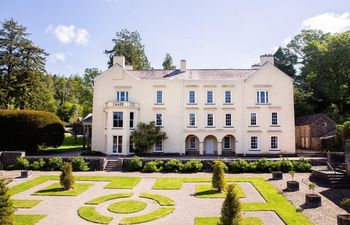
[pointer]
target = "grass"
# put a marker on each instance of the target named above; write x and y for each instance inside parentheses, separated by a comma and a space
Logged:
(30, 183)
(215, 220)
(27, 219)
(162, 200)
(206, 191)
(105, 198)
(25, 204)
(89, 213)
(69, 144)
(57, 190)
(159, 213)
(130, 206)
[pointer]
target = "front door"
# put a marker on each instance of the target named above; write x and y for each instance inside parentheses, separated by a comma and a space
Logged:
(209, 147)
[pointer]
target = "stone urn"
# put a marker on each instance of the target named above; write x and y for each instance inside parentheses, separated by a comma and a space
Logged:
(292, 185)
(277, 175)
(313, 200)
(343, 219)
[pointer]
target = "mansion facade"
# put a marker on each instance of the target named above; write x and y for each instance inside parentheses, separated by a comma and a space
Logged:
(202, 111)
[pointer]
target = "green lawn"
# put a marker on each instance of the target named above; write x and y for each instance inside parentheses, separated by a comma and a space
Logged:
(89, 213)
(215, 220)
(57, 190)
(159, 213)
(27, 219)
(129, 206)
(162, 200)
(69, 144)
(206, 191)
(26, 204)
(105, 198)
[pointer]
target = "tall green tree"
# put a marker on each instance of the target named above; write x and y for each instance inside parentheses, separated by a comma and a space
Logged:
(6, 205)
(87, 92)
(168, 62)
(231, 208)
(129, 44)
(286, 61)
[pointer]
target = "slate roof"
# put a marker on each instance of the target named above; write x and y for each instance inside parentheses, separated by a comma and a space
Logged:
(306, 120)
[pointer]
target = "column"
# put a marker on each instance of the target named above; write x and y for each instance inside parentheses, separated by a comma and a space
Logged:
(219, 148)
(201, 148)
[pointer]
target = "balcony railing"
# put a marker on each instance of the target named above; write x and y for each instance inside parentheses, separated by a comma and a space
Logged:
(119, 104)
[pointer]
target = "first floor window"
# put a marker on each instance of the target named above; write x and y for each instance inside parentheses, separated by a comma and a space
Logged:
(274, 142)
(227, 142)
(254, 143)
(210, 97)
(158, 146)
(117, 119)
(159, 119)
(192, 142)
(262, 97)
(210, 120)
(122, 96)
(228, 97)
(131, 122)
(192, 97)
(159, 97)
(131, 145)
(274, 118)
(117, 144)
(191, 119)
(228, 119)
(253, 119)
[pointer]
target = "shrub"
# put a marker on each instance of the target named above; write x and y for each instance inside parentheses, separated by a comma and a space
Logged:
(22, 163)
(55, 163)
(28, 129)
(239, 166)
(173, 165)
(292, 173)
(192, 166)
(345, 204)
(135, 164)
(38, 164)
(263, 165)
(286, 165)
(67, 179)
(275, 165)
(231, 208)
(79, 164)
(152, 166)
(302, 165)
(218, 179)
(6, 207)
(312, 187)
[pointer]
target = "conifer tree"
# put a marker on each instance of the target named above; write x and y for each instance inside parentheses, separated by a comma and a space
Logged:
(67, 179)
(218, 180)
(231, 208)
(6, 206)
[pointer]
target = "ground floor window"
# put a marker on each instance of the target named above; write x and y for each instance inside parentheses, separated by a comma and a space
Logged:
(274, 143)
(192, 142)
(117, 144)
(254, 143)
(158, 147)
(131, 145)
(227, 142)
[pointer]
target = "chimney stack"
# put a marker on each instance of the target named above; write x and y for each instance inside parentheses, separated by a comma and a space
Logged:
(267, 58)
(120, 60)
(183, 65)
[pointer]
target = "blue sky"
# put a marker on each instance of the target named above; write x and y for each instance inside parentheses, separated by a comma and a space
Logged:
(208, 34)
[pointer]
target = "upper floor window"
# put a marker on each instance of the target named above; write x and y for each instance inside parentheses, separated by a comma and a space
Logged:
(131, 121)
(274, 118)
(117, 119)
(192, 97)
(228, 119)
(274, 143)
(262, 97)
(159, 119)
(210, 97)
(158, 147)
(122, 96)
(254, 143)
(210, 120)
(228, 97)
(191, 119)
(253, 120)
(159, 97)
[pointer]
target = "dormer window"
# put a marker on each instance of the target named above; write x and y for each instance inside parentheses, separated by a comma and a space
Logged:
(122, 96)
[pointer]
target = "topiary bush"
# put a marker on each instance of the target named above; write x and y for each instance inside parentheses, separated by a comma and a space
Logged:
(38, 164)
(66, 178)
(55, 163)
(286, 165)
(218, 179)
(135, 164)
(192, 166)
(28, 129)
(263, 165)
(79, 164)
(239, 166)
(22, 163)
(231, 208)
(7, 209)
(173, 165)
(152, 166)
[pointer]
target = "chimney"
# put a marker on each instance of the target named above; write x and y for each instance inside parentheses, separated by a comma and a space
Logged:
(183, 65)
(120, 60)
(267, 58)
(255, 66)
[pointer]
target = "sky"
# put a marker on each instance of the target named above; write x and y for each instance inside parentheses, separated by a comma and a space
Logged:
(208, 34)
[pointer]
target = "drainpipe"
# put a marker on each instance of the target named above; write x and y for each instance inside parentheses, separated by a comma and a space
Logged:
(181, 118)
(243, 118)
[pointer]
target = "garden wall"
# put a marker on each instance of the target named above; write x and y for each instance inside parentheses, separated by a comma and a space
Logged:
(10, 157)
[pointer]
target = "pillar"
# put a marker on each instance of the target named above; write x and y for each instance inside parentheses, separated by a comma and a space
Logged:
(219, 148)
(201, 148)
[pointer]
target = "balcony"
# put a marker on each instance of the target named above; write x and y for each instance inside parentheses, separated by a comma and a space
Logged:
(121, 105)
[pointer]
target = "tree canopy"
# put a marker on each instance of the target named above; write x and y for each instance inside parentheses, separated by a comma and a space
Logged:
(168, 62)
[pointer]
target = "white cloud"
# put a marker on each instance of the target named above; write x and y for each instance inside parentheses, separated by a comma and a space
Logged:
(328, 22)
(57, 57)
(69, 34)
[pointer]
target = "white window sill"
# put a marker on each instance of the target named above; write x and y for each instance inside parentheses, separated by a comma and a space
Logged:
(117, 128)
(228, 126)
(228, 103)
(161, 126)
(255, 150)
(253, 126)
(262, 103)
(191, 126)
(275, 125)
(209, 126)
(188, 103)
(210, 103)
(159, 103)
(275, 150)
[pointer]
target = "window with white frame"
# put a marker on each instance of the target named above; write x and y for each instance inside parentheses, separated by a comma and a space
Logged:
(210, 97)
(117, 119)
(122, 96)
(274, 118)
(210, 120)
(106, 120)
(131, 144)
(228, 97)
(159, 97)
(117, 144)
(158, 147)
(192, 142)
(191, 97)
(159, 119)
(192, 119)
(227, 142)
(262, 97)
(274, 143)
(228, 120)
(254, 142)
(253, 119)
(131, 120)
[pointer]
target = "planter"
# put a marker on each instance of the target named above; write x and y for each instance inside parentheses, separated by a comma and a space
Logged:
(26, 173)
(343, 219)
(292, 185)
(278, 175)
(313, 200)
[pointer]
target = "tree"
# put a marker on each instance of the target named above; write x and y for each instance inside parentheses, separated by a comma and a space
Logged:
(6, 205)
(286, 61)
(168, 62)
(66, 178)
(87, 92)
(129, 44)
(146, 135)
(218, 179)
(231, 208)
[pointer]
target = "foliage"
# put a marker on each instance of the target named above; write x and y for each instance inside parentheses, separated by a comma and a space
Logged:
(263, 165)
(135, 164)
(168, 62)
(192, 166)
(173, 165)
(55, 163)
(345, 203)
(38, 164)
(231, 208)
(6, 207)
(66, 178)
(129, 44)
(286, 165)
(153, 166)
(146, 135)
(79, 164)
(27, 129)
(292, 173)
(344, 130)
(286, 61)
(218, 179)
(239, 166)
(22, 163)
(312, 187)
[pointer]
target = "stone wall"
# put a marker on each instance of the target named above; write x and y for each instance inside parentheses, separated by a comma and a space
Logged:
(10, 157)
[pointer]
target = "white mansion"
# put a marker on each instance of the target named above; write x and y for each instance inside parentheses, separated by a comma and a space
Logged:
(202, 111)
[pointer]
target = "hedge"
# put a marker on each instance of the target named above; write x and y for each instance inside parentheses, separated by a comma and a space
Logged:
(28, 129)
